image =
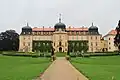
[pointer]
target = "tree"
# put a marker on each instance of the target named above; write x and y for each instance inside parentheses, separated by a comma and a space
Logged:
(9, 40)
(117, 37)
(78, 46)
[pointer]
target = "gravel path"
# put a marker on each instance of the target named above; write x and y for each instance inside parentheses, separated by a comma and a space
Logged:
(61, 69)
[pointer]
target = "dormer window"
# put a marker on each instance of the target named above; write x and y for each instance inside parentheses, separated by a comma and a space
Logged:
(23, 32)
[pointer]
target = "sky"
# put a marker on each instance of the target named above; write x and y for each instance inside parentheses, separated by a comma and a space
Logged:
(14, 14)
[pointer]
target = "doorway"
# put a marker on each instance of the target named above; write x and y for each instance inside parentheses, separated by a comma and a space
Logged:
(60, 49)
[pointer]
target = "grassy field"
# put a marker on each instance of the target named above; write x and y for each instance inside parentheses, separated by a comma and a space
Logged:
(60, 54)
(99, 68)
(21, 68)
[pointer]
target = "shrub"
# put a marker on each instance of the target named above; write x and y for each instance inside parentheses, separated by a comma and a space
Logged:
(48, 55)
(0, 52)
(20, 54)
(53, 57)
(94, 54)
(67, 57)
(72, 54)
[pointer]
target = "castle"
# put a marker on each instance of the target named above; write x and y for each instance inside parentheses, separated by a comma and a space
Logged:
(59, 37)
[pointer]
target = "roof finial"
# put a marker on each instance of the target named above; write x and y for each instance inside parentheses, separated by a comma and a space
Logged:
(59, 18)
(92, 24)
(27, 24)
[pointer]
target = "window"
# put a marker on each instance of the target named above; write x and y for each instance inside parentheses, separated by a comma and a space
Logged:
(39, 33)
(91, 37)
(60, 36)
(96, 44)
(109, 43)
(28, 43)
(96, 49)
(35, 33)
(91, 49)
(60, 43)
(72, 33)
(77, 33)
(69, 33)
(47, 33)
(109, 38)
(28, 38)
(65, 44)
(109, 47)
(73, 37)
(44, 33)
(96, 38)
(54, 44)
(91, 44)
(77, 37)
(23, 32)
(23, 43)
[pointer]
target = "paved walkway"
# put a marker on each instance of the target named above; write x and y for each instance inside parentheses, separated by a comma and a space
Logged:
(61, 69)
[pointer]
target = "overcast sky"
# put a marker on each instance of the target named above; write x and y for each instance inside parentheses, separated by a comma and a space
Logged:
(77, 13)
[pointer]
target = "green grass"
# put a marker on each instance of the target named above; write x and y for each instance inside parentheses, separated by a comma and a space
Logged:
(99, 68)
(60, 54)
(22, 68)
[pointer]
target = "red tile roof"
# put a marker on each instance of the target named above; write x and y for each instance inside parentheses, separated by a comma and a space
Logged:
(77, 29)
(112, 32)
(42, 29)
(68, 29)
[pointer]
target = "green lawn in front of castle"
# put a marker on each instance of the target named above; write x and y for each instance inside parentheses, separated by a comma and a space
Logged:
(22, 68)
(99, 68)
(60, 54)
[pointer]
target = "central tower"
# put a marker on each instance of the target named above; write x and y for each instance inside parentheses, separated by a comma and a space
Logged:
(60, 26)
(60, 37)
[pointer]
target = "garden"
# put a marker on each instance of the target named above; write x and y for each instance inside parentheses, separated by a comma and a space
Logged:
(98, 68)
(22, 68)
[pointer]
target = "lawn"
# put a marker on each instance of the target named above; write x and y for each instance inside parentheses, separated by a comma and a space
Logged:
(60, 54)
(22, 68)
(99, 68)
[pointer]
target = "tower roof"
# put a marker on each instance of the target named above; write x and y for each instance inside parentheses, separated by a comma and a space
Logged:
(60, 24)
(27, 26)
(93, 27)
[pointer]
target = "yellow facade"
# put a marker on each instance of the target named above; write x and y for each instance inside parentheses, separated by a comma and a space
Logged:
(103, 45)
(59, 36)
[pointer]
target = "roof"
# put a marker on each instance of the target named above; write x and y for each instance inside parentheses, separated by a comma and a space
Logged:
(93, 27)
(60, 25)
(42, 29)
(68, 29)
(27, 27)
(77, 29)
(112, 32)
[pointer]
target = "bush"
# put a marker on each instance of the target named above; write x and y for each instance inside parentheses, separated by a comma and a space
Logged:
(53, 58)
(48, 55)
(20, 54)
(104, 54)
(67, 57)
(94, 54)
(0, 52)
(72, 54)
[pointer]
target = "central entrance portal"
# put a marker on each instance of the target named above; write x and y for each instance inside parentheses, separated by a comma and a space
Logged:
(60, 49)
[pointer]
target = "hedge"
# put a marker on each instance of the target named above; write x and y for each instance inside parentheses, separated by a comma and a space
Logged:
(94, 54)
(26, 54)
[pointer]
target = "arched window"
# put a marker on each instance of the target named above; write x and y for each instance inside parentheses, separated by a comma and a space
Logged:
(60, 43)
